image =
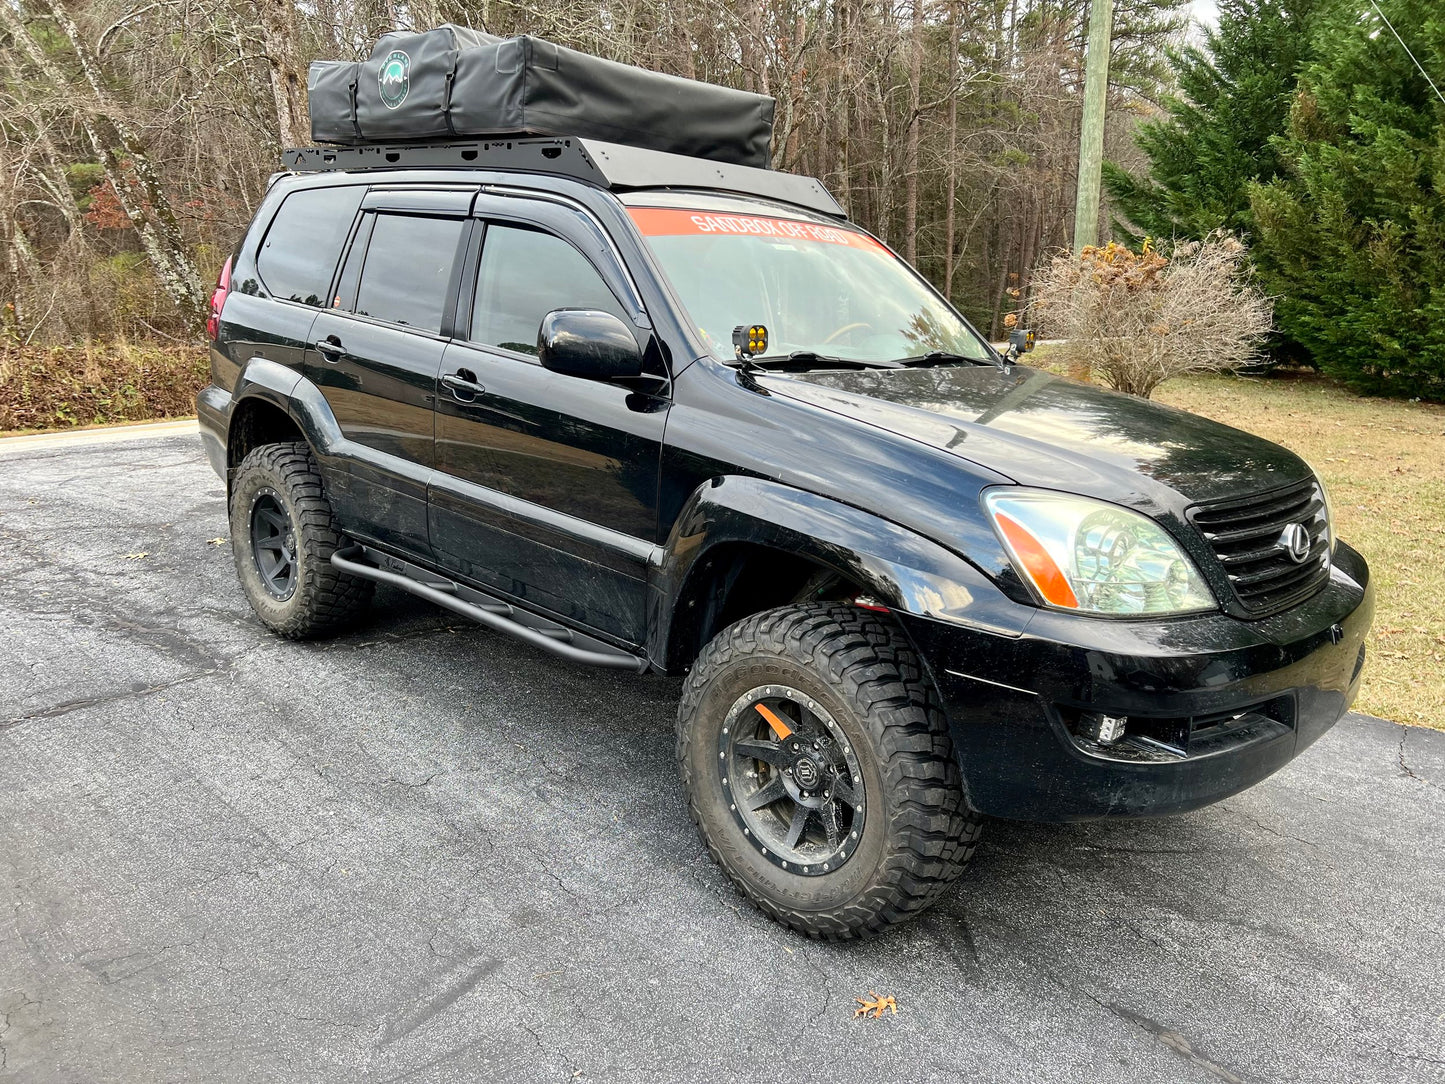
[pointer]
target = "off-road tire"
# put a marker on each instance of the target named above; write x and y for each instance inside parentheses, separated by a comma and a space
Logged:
(918, 833)
(324, 600)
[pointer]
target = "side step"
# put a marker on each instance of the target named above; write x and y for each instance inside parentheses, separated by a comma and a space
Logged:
(485, 610)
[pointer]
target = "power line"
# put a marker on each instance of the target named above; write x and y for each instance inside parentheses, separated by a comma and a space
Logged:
(1411, 55)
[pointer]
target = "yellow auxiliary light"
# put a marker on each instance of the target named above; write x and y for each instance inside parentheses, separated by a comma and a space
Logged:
(750, 340)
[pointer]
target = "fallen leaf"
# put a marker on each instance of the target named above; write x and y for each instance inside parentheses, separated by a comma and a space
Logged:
(136, 556)
(217, 541)
(874, 1005)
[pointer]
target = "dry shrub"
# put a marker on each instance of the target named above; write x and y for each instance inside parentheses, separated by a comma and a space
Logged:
(1135, 319)
(53, 387)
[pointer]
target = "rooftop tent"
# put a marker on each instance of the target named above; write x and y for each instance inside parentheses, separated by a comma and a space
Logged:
(457, 82)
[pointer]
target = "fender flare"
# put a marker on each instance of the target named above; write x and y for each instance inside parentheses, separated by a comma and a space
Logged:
(269, 381)
(286, 389)
(902, 569)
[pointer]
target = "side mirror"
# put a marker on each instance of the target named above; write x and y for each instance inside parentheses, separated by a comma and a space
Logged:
(588, 343)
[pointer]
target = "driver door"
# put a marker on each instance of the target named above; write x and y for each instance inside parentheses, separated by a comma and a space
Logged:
(547, 484)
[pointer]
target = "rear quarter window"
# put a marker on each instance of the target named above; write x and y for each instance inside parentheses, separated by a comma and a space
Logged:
(304, 242)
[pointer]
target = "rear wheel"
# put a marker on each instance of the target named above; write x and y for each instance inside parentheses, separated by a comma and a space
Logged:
(283, 533)
(819, 770)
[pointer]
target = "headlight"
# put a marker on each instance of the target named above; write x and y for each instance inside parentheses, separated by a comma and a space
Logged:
(1086, 555)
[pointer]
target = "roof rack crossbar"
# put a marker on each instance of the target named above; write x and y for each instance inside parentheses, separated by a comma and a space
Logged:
(557, 156)
(607, 165)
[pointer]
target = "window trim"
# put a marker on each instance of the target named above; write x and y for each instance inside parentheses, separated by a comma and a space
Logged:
(502, 192)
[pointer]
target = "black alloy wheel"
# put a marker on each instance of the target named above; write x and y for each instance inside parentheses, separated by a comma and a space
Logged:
(795, 785)
(273, 544)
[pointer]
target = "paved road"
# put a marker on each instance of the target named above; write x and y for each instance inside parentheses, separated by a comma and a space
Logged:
(422, 852)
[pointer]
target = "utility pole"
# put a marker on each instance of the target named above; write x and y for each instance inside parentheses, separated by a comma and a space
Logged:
(1091, 132)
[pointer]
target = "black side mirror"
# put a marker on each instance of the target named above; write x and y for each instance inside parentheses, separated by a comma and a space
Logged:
(588, 343)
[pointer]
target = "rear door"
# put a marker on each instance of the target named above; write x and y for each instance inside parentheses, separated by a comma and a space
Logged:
(377, 351)
(546, 485)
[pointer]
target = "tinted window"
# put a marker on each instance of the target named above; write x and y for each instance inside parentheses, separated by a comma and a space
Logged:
(408, 265)
(524, 276)
(304, 241)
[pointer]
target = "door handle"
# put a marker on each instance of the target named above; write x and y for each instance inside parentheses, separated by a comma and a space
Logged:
(463, 384)
(330, 349)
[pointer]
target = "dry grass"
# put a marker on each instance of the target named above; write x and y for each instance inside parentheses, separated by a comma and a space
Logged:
(97, 384)
(1384, 463)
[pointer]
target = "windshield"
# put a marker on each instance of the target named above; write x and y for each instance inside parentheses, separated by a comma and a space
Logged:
(816, 287)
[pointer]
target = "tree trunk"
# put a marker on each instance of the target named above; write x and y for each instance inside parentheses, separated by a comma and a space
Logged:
(288, 86)
(843, 112)
(952, 185)
(54, 181)
(137, 188)
(910, 151)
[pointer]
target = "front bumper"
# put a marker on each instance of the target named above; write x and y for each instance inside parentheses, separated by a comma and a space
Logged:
(1235, 701)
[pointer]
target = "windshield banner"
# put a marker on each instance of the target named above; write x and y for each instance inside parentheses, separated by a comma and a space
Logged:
(669, 221)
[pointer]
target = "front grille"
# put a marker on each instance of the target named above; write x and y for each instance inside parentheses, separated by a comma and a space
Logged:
(1244, 533)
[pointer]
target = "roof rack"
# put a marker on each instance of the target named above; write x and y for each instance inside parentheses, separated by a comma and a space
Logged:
(607, 165)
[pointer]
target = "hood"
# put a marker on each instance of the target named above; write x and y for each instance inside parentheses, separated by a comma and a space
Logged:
(1043, 430)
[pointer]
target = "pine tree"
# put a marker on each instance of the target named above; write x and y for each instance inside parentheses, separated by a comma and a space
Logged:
(1352, 237)
(1235, 95)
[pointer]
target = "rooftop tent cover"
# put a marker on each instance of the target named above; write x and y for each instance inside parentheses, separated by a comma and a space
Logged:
(457, 82)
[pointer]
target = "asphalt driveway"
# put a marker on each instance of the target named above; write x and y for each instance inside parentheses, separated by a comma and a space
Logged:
(424, 852)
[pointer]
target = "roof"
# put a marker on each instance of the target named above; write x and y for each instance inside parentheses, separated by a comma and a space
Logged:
(608, 165)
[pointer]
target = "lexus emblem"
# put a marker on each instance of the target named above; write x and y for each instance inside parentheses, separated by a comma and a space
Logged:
(1295, 541)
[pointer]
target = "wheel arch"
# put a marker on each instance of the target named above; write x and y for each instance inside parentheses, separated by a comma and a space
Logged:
(744, 544)
(271, 404)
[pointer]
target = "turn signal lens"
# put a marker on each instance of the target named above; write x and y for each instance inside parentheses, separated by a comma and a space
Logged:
(1081, 554)
(1329, 511)
(1041, 568)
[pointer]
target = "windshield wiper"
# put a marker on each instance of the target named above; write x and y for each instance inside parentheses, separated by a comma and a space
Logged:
(814, 359)
(943, 356)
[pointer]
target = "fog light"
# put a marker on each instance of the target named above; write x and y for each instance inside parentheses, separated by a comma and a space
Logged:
(1104, 729)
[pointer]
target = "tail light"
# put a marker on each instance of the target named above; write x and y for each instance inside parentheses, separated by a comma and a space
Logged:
(218, 301)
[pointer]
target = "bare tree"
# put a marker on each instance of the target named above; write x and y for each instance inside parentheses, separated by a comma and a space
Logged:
(288, 78)
(948, 127)
(130, 172)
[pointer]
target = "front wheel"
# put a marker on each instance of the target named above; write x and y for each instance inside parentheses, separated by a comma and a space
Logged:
(819, 770)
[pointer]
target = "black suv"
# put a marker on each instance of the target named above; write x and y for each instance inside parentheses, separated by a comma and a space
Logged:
(648, 411)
